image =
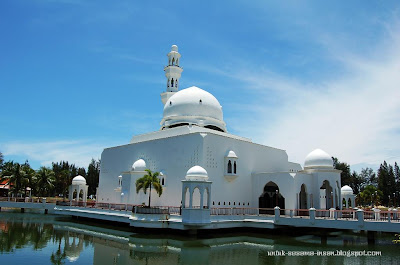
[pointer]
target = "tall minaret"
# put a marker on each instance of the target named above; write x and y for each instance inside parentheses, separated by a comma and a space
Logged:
(173, 73)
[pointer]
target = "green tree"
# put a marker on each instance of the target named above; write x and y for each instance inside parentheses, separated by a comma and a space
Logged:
(386, 181)
(16, 177)
(370, 195)
(147, 181)
(397, 176)
(30, 175)
(45, 179)
(64, 172)
(93, 174)
(345, 176)
(369, 176)
(81, 171)
(357, 182)
(1, 160)
(65, 180)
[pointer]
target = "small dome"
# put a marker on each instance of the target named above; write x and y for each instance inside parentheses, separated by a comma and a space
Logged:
(318, 159)
(197, 173)
(79, 180)
(174, 48)
(231, 154)
(139, 165)
(195, 106)
(346, 190)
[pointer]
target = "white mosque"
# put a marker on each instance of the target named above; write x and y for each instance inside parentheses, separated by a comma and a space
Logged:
(194, 145)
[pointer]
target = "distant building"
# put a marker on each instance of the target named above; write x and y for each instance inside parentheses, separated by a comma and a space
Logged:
(4, 188)
(243, 174)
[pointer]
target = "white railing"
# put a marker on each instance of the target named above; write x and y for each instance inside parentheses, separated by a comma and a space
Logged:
(345, 215)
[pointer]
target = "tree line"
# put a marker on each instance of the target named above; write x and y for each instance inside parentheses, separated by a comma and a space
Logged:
(47, 181)
(372, 188)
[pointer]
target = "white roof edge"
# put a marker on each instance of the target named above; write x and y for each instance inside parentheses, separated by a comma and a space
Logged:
(185, 130)
(182, 130)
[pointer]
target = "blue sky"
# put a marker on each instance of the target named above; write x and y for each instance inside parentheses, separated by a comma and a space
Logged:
(79, 76)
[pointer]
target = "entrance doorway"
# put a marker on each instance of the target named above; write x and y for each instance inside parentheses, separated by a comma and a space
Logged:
(270, 198)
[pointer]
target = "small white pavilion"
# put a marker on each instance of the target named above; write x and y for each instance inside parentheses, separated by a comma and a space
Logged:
(196, 196)
(78, 190)
(348, 197)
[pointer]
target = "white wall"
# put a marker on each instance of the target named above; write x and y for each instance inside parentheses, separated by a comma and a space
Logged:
(174, 155)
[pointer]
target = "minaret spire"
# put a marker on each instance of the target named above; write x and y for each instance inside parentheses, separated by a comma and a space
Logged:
(172, 72)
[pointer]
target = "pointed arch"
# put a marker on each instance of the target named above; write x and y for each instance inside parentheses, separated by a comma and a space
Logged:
(326, 195)
(196, 198)
(205, 198)
(229, 167)
(270, 198)
(187, 198)
(303, 197)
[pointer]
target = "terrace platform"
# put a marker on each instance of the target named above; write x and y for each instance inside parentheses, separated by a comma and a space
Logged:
(220, 218)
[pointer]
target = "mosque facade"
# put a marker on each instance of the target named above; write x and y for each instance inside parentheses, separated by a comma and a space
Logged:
(193, 137)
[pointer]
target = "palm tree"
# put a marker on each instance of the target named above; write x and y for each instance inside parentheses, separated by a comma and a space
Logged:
(148, 180)
(16, 177)
(45, 179)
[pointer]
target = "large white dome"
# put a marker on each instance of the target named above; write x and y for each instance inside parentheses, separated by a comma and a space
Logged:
(194, 106)
(318, 159)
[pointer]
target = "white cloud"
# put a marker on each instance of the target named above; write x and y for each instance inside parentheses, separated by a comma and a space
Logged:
(77, 152)
(355, 117)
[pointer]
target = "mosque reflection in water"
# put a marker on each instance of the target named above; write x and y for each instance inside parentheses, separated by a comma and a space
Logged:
(85, 244)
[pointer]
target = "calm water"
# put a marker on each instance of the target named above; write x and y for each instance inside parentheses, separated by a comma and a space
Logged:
(31, 238)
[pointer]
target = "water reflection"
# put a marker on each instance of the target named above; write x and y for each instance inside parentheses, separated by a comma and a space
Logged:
(54, 240)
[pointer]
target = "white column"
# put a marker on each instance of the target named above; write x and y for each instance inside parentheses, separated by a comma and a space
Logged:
(201, 197)
(184, 190)
(209, 196)
(191, 198)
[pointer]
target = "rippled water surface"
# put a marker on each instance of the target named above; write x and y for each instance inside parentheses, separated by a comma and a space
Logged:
(31, 238)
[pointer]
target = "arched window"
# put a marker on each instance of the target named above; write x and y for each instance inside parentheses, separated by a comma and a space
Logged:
(213, 203)
(205, 199)
(234, 203)
(219, 203)
(234, 167)
(172, 82)
(196, 198)
(224, 203)
(162, 181)
(229, 167)
(187, 198)
(173, 61)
